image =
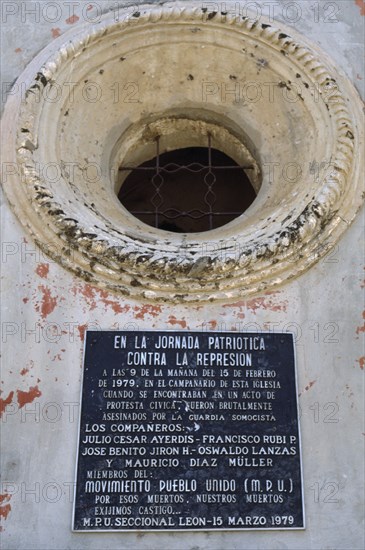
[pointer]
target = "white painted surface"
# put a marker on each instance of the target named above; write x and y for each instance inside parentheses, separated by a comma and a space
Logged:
(323, 306)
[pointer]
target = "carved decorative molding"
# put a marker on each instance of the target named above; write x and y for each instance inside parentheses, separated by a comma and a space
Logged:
(59, 132)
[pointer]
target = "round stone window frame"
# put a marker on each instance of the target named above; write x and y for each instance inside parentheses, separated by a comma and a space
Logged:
(105, 246)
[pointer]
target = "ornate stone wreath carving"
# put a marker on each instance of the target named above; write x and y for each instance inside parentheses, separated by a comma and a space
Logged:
(81, 226)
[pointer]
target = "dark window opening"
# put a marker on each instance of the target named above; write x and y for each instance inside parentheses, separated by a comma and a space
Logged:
(188, 190)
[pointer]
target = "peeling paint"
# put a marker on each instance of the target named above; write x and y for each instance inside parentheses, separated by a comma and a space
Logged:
(25, 397)
(148, 309)
(82, 329)
(73, 19)
(308, 387)
(5, 402)
(56, 32)
(4, 510)
(5, 506)
(173, 321)
(361, 328)
(94, 296)
(42, 270)
(266, 302)
(48, 302)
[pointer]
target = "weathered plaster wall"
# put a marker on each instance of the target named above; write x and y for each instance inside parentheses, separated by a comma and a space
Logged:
(46, 311)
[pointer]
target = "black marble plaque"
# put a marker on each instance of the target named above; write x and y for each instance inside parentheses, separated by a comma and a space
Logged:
(188, 431)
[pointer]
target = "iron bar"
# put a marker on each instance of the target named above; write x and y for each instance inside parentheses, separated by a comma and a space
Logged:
(158, 181)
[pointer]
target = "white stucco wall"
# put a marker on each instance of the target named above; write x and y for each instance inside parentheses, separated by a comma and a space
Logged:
(45, 311)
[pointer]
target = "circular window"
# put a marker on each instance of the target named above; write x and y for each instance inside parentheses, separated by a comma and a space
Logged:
(274, 107)
(187, 190)
(188, 172)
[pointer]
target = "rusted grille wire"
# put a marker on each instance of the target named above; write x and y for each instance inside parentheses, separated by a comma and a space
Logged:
(208, 179)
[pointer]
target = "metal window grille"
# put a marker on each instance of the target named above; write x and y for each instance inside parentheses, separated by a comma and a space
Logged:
(163, 214)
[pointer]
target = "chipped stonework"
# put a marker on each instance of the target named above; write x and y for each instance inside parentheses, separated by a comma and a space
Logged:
(78, 221)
